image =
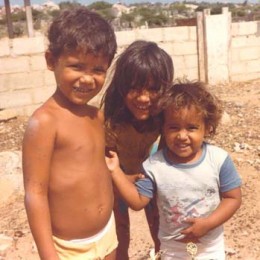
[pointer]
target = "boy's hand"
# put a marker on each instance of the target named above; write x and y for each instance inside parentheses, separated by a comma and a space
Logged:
(198, 228)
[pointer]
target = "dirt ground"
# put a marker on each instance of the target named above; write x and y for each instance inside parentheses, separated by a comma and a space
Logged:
(238, 134)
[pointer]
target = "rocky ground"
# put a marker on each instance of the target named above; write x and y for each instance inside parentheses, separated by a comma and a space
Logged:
(238, 134)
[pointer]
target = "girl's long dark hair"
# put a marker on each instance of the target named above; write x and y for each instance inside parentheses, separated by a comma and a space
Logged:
(140, 62)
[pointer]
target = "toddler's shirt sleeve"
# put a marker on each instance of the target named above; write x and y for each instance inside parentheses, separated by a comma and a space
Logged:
(229, 177)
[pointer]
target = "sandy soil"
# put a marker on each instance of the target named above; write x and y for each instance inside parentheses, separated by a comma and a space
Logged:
(238, 134)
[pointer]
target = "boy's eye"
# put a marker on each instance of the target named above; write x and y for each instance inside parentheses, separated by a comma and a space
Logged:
(99, 70)
(76, 66)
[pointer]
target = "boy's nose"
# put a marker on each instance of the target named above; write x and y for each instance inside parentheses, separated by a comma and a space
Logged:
(87, 79)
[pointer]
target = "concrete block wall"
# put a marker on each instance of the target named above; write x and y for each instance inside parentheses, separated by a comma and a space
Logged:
(25, 81)
(179, 42)
(245, 51)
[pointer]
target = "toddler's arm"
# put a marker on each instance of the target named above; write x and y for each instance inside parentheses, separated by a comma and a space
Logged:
(126, 188)
(230, 203)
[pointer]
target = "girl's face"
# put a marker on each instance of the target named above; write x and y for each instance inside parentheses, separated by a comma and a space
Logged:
(141, 101)
(184, 132)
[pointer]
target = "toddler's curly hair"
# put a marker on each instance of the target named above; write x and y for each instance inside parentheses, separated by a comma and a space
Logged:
(197, 94)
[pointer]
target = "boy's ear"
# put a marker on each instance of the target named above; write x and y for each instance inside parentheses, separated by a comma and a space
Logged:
(50, 60)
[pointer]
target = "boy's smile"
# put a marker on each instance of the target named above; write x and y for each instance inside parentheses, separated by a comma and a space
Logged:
(79, 76)
(184, 132)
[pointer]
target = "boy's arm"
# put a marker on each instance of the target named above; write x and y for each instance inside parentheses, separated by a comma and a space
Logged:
(125, 187)
(37, 151)
(230, 203)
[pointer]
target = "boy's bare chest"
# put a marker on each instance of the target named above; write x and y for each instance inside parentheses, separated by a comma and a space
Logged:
(84, 134)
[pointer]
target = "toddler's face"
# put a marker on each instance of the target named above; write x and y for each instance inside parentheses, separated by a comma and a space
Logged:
(184, 132)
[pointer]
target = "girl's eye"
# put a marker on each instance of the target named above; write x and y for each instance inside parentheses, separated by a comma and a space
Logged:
(153, 89)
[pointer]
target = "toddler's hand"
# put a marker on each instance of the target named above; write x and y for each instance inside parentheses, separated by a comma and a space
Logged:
(198, 227)
(135, 177)
(112, 161)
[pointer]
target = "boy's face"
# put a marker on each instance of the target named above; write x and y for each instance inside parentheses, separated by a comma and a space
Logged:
(79, 76)
(184, 132)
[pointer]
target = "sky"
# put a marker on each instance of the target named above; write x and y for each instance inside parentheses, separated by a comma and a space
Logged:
(87, 2)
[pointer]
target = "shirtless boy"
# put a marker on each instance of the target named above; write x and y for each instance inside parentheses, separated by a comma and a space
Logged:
(68, 189)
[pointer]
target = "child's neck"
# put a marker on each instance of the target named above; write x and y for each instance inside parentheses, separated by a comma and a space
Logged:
(142, 126)
(175, 159)
(63, 102)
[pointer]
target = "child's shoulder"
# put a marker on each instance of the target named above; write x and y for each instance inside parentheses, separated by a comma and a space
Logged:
(214, 148)
(216, 153)
(44, 116)
(95, 112)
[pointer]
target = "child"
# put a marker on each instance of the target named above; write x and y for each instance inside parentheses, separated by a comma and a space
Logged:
(196, 184)
(68, 191)
(142, 75)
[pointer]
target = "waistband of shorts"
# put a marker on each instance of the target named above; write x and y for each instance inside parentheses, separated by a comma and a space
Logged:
(94, 238)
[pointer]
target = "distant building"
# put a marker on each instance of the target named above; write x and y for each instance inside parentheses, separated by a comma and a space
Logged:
(50, 5)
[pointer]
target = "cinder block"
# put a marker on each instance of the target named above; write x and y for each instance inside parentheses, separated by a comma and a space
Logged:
(178, 62)
(15, 99)
(184, 48)
(38, 62)
(192, 33)
(155, 34)
(191, 61)
(28, 110)
(40, 95)
(4, 83)
(247, 28)
(14, 65)
(249, 53)
(26, 80)
(4, 47)
(253, 40)
(183, 74)
(238, 42)
(238, 68)
(245, 77)
(176, 34)
(23, 46)
(125, 37)
(49, 79)
(253, 66)
(167, 46)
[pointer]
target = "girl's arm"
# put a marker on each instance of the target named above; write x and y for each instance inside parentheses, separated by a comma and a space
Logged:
(230, 203)
(125, 187)
(38, 146)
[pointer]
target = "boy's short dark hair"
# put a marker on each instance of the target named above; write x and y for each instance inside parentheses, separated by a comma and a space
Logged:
(80, 29)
